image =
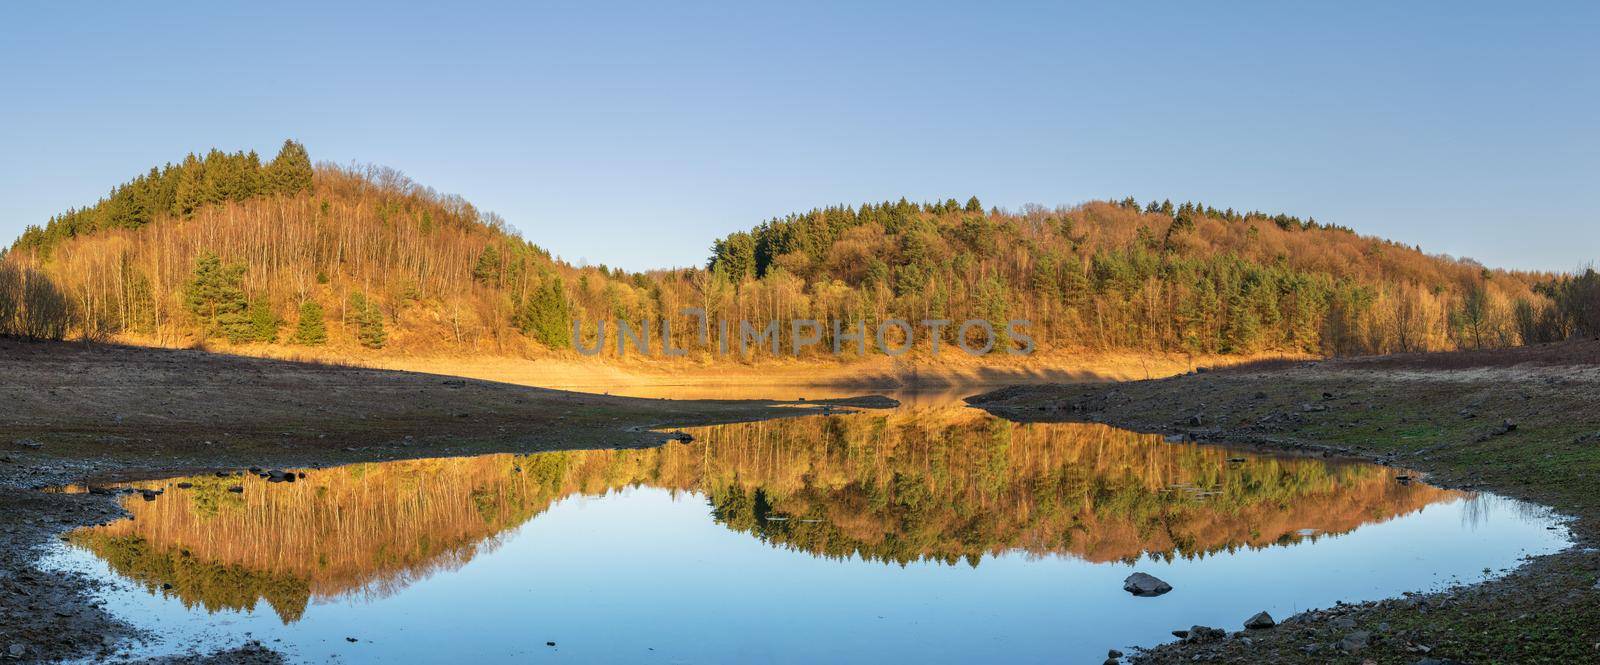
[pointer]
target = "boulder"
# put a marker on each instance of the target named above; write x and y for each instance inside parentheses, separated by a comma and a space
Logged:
(1199, 634)
(1355, 641)
(1142, 584)
(1259, 621)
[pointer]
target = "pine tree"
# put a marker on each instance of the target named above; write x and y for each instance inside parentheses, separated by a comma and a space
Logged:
(290, 172)
(487, 270)
(215, 295)
(974, 206)
(310, 330)
(369, 321)
(264, 322)
(546, 314)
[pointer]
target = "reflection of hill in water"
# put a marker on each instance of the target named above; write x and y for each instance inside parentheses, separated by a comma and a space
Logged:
(941, 484)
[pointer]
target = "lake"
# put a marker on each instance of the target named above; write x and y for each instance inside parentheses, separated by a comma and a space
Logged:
(931, 533)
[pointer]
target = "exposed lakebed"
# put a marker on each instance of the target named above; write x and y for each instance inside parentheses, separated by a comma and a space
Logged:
(934, 534)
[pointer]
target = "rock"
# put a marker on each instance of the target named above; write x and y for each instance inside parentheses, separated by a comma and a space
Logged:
(681, 437)
(1506, 427)
(16, 650)
(28, 443)
(1200, 634)
(351, 640)
(1259, 621)
(1261, 394)
(236, 489)
(1327, 395)
(1141, 584)
(1196, 421)
(1355, 641)
(1180, 634)
(147, 495)
(1113, 654)
(1343, 623)
(549, 644)
(184, 486)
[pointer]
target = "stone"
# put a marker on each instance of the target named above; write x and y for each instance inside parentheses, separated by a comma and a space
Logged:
(184, 486)
(236, 489)
(1259, 621)
(1199, 634)
(1113, 654)
(1142, 584)
(1355, 641)
(1196, 421)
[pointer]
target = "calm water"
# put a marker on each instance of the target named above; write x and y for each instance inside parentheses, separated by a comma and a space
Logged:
(933, 534)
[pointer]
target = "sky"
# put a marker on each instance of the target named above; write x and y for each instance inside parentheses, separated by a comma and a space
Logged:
(632, 135)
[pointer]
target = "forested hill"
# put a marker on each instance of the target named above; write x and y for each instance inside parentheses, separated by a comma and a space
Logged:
(224, 248)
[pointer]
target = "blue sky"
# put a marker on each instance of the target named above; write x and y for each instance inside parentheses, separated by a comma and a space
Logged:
(633, 134)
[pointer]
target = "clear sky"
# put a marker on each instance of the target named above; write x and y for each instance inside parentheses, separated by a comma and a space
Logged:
(632, 135)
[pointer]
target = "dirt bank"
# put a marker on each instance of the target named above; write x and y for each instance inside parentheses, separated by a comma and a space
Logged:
(1523, 423)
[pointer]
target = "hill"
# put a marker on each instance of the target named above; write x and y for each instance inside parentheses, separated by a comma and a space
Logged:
(222, 248)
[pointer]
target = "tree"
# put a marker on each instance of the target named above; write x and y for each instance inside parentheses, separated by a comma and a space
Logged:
(547, 315)
(215, 295)
(369, 321)
(310, 330)
(290, 172)
(974, 206)
(487, 270)
(264, 322)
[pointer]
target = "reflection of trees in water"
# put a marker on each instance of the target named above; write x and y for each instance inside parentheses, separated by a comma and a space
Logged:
(946, 485)
(954, 486)
(1477, 509)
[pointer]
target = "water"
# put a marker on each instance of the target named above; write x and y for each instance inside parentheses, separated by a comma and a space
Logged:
(934, 534)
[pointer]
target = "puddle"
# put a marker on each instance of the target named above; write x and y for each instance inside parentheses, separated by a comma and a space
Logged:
(935, 534)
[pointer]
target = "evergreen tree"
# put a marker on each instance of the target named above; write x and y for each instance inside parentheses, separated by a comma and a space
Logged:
(547, 315)
(974, 206)
(310, 330)
(369, 321)
(264, 322)
(487, 270)
(290, 172)
(215, 295)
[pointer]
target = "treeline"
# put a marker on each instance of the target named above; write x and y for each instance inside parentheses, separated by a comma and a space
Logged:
(1124, 276)
(221, 247)
(178, 190)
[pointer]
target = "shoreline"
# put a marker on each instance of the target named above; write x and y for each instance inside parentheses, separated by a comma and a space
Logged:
(1519, 424)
